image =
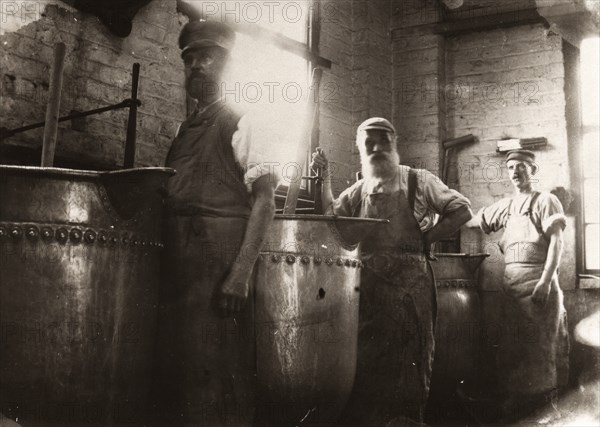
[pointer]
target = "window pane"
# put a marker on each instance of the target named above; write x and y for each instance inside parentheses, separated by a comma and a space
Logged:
(591, 158)
(269, 83)
(592, 252)
(261, 74)
(289, 18)
(591, 200)
(285, 17)
(272, 83)
(590, 88)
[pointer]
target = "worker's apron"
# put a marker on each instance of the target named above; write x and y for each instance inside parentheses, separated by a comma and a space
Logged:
(207, 361)
(533, 354)
(397, 315)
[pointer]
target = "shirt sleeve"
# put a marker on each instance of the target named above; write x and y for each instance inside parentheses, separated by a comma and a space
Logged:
(434, 198)
(493, 217)
(256, 148)
(550, 212)
(348, 201)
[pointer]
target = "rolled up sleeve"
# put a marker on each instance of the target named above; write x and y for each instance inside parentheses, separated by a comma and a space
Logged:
(254, 149)
(265, 143)
(348, 202)
(551, 212)
(493, 217)
(438, 197)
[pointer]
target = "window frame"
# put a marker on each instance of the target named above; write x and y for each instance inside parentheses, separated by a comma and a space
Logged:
(587, 278)
(583, 223)
(585, 129)
(309, 50)
(311, 53)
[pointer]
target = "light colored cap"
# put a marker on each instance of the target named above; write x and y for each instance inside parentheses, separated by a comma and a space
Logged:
(378, 123)
(522, 155)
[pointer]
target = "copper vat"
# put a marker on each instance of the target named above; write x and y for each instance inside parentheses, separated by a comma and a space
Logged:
(458, 329)
(306, 307)
(79, 257)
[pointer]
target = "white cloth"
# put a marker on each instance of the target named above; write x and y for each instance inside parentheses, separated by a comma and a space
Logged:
(265, 143)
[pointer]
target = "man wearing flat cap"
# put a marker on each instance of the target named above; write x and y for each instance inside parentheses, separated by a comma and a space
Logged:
(533, 354)
(219, 206)
(397, 307)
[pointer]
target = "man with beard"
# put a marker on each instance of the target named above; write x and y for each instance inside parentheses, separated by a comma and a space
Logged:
(397, 291)
(218, 211)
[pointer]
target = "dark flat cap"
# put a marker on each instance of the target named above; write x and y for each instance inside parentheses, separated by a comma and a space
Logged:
(522, 155)
(197, 34)
(378, 123)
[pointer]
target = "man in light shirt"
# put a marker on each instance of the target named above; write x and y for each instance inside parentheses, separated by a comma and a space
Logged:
(397, 308)
(530, 370)
(219, 206)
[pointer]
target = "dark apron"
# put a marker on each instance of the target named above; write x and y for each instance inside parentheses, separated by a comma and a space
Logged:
(533, 355)
(207, 361)
(397, 316)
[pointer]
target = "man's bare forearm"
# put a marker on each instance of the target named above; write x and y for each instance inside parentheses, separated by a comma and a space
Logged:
(261, 217)
(554, 254)
(327, 193)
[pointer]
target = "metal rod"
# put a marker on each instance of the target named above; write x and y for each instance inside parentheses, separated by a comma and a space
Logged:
(132, 120)
(318, 191)
(466, 139)
(52, 110)
(7, 133)
(446, 165)
(450, 146)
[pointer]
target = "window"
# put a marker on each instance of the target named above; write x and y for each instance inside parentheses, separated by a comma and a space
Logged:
(590, 159)
(263, 71)
(271, 66)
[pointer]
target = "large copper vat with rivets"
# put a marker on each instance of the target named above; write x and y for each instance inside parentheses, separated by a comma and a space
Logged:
(79, 257)
(306, 308)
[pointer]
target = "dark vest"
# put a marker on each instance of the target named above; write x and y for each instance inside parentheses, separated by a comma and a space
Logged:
(208, 181)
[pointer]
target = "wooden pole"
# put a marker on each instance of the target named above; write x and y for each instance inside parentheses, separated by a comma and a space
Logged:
(53, 107)
(291, 199)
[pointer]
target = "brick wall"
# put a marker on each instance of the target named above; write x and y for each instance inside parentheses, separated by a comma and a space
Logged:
(507, 83)
(418, 71)
(493, 84)
(97, 73)
(355, 37)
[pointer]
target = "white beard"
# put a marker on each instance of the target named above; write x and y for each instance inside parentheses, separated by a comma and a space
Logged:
(380, 169)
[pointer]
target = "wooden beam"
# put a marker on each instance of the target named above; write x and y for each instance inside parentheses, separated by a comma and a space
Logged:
(282, 42)
(262, 34)
(481, 23)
